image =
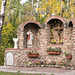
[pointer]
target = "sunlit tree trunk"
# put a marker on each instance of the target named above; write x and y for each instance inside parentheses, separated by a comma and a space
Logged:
(67, 5)
(61, 9)
(2, 14)
(37, 5)
(72, 3)
(32, 11)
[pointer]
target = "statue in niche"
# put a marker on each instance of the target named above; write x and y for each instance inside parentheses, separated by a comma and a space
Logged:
(59, 28)
(30, 37)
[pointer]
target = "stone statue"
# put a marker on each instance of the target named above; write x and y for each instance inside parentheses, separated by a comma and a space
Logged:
(30, 37)
(15, 42)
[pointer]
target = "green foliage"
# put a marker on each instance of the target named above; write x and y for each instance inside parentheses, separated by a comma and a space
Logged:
(18, 72)
(1, 58)
(32, 53)
(54, 50)
(41, 18)
(0, 4)
(1, 55)
(61, 63)
(67, 54)
(8, 73)
(61, 8)
(44, 74)
(36, 63)
(9, 29)
(53, 63)
(7, 36)
(52, 74)
(61, 41)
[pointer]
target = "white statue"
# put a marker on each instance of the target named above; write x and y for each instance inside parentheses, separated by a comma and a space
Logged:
(15, 42)
(30, 37)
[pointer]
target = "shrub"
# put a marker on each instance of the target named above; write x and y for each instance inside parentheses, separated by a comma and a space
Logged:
(67, 54)
(2, 55)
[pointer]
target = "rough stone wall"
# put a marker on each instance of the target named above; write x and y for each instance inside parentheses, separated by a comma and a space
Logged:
(67, 42)
(42, 41)
(20, 36)
(20, 57)
(73, 50)
(68, 38)
(41, 36)
(47, 35)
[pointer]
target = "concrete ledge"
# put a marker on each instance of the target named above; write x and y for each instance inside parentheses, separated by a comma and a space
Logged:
(56, 45)
(32, 49)
(12, 49)
(23, 49)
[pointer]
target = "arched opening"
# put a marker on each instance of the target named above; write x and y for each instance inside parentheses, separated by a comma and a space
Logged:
(31, 35)
(56, 31)
(70, 24)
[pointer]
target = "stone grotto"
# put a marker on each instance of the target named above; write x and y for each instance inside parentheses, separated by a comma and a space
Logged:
(56, 32)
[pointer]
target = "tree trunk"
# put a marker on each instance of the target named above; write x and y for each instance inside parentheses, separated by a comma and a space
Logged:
(2, 14)
(67, 5)
(37, 5)
(32, 11)
(0, 35)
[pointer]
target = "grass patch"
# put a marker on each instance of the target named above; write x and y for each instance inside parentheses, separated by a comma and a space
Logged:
(52, 74)
(9, 73)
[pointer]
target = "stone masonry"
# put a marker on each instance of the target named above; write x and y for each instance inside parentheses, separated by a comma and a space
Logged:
(41, 42)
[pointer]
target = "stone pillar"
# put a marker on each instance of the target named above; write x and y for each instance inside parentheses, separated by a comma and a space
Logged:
(20, 36)
(44, 42)
(47, 35)
(65, 37)
(42, 38)
(73, 51)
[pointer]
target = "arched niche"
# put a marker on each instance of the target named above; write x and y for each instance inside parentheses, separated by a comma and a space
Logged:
(70, 24)
(56, 25)
(33, 27)
(9, 59)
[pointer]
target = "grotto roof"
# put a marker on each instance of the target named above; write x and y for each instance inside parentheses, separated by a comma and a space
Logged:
(55, 17)
(30, 21)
